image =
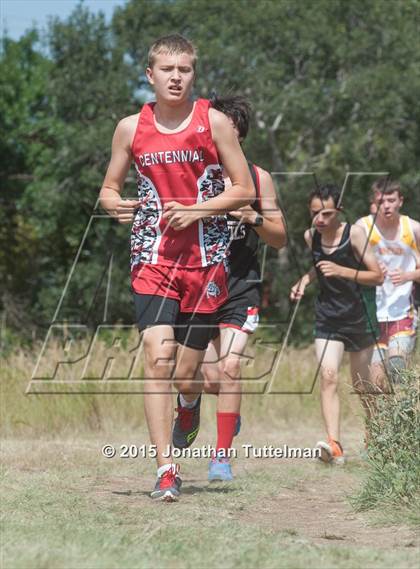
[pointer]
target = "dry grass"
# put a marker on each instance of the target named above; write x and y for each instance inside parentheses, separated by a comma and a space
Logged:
(24, 412)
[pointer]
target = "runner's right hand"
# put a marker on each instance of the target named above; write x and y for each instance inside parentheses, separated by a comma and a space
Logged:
(298, 290)
(125, 210)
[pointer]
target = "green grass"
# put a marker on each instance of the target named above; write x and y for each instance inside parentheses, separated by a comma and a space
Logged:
(67, 508)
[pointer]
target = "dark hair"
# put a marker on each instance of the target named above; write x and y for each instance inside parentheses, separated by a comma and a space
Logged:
(237, 108)
(325, 192)
(385, 185)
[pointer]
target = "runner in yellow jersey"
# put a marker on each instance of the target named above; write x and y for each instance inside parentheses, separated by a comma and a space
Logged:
(395, 239)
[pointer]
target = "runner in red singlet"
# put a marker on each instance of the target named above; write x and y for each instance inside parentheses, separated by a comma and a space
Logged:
(179, 237)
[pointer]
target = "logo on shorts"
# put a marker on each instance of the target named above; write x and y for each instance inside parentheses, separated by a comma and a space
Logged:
(212, 289)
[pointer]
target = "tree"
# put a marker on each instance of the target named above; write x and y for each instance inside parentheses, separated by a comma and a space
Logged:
(329, 94)
(326, 84)
(23, 78)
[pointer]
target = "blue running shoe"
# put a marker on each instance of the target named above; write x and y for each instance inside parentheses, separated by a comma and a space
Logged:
(237, 426)
(219, 469)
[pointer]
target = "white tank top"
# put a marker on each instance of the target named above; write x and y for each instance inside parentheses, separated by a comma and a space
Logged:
(394, 302)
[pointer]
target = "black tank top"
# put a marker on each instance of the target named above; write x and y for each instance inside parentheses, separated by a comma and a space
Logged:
(340, 306)
(244, 268)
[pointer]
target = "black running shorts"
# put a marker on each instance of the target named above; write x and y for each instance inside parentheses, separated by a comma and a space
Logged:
(191, 330)
(238, 312)
(352, 342)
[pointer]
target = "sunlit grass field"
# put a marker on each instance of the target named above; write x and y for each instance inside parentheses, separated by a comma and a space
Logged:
(65, 506)
(40, 408)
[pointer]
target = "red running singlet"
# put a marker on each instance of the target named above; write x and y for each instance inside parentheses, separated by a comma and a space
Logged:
(183, 167)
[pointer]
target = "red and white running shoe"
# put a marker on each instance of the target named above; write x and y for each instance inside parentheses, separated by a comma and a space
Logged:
(168, 485)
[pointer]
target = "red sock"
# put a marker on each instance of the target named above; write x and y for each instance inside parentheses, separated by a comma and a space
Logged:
(226, 425)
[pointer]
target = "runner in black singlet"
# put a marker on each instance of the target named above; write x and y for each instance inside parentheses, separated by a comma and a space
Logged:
(343, 310)
(238, 317)
(244, 277)
(343, 265)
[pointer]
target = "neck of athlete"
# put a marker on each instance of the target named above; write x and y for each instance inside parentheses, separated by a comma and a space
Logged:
(170, 115)
(388, 223)
(331, 233)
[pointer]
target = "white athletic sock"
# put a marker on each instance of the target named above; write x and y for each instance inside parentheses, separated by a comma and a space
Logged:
(187, 404)
(162, 469)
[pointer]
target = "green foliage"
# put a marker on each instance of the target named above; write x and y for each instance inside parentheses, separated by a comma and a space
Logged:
(23, 75)
(64, 142)
(330, 96)
(393, 450)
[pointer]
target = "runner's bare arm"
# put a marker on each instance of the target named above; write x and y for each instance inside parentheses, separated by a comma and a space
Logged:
(242, 191)
(273, 229)
(399, 277)
(416, 273)
(372, 275)
(361, 223)
(308, 237)
(298, 289)
(415, 276)
(416, 230)
(110, 194)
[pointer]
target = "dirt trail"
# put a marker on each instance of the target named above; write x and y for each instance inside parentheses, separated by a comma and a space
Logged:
(317, 508)
(317, 511)
(298, 497)
(320, 512)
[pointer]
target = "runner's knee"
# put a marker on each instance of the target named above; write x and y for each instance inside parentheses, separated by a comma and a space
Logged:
(329, 378)
(211, 388)
(231, 368)
(211, 374)
(159, 358)
(378, 355)
(401, 346)
(187, 385)
(186, 378)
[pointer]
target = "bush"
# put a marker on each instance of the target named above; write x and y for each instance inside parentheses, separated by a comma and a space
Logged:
(393, 449)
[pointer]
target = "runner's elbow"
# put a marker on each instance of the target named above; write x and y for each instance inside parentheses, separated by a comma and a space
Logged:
(281, 241)
(249, 194)
(379, 278)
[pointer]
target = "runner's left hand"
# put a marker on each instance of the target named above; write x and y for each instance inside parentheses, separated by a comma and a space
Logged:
(245, 214)
(180, 216)
(397, 277)
(329, 269)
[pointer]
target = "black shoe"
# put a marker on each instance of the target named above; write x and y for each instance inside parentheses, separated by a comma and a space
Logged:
(186, 425)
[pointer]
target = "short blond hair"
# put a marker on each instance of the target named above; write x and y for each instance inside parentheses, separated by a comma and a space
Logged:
(171, 44)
